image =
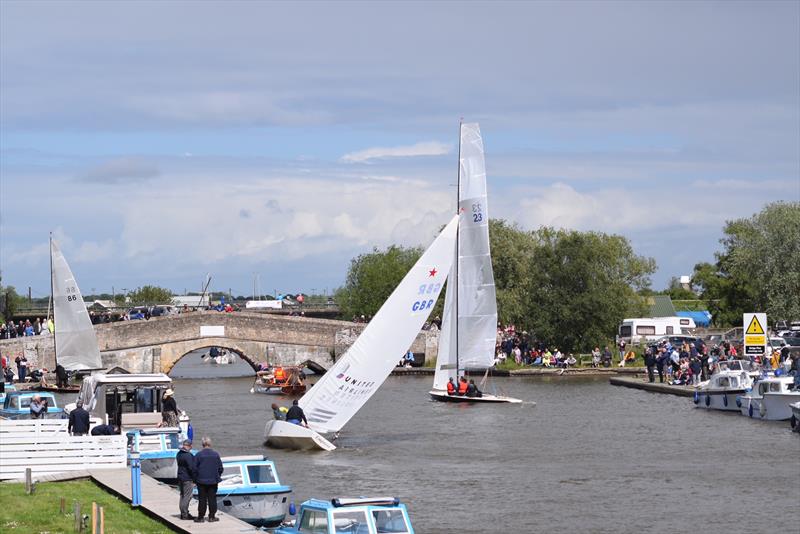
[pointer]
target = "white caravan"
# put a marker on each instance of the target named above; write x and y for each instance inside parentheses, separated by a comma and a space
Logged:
(652, 328)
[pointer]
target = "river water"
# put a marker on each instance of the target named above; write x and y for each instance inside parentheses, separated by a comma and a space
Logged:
(587, 457)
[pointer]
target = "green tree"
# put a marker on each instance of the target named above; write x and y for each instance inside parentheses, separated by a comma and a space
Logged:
(150, 295)
(758, 268)
(10, 301)
(372, 277)
(581, 286)
(512, 250)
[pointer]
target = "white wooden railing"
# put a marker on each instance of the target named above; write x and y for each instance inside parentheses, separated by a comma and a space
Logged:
(47, 448)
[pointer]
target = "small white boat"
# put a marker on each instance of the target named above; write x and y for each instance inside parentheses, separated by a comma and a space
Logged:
(285, 435)
(158, 449)
(721, 390)
(356, 516)
(251, 491)
(442, 396)
(771, 399)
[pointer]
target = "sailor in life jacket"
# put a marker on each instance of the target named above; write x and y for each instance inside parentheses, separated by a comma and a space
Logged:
(463, 386)
(451, 387)
(280, 374)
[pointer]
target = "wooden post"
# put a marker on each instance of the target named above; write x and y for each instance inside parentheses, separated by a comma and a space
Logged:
(102, 521)
(28, 481)
(76, 509)
(94, 518)
(63, 506)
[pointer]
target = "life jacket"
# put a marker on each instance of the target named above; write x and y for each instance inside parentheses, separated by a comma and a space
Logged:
(280, 375)
(462, 388)
(451, 388)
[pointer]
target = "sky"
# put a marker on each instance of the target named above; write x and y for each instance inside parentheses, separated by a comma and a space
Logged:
(163, 141)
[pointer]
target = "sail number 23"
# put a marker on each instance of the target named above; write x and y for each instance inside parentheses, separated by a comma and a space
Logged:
(477, 213)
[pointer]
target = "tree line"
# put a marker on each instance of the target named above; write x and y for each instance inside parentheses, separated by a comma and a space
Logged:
(572, 289)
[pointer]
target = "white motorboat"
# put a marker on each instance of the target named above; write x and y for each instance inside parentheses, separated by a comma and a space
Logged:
(721, 390)
(158, 449)
(358, 374)
(469, 326)
(251, 491)
(771, 399)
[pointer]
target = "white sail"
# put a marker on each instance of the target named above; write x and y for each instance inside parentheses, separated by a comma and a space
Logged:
(446, 357)
(358, 374)
(472, 345)
(76, 343)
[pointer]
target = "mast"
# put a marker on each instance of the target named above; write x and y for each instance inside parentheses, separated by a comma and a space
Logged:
(458, 235)
(55, 339)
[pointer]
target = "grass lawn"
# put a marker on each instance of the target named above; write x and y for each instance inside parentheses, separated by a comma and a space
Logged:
(39, 513)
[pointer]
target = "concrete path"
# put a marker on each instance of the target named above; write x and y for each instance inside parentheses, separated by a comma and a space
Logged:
(161, 502)
(656, 387)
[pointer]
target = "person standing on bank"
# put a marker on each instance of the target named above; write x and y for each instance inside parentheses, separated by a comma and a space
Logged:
(208, 469)
(78, 421)
(186, 476)
(650, 362)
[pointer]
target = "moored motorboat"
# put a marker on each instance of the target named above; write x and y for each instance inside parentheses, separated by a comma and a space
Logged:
(794, 421)
(252, 491)
(362, 515)
(17, 405)
(7, 388)
(721, 390)
(770, 398)
(158, 449)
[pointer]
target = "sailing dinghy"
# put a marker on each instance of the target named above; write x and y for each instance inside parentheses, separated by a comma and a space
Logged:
(469, 326)
(358, 374)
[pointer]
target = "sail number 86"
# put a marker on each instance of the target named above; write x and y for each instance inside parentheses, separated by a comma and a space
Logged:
(70, 298)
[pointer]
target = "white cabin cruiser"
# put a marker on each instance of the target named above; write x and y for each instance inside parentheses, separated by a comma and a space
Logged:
(158, 449)
(129, 401)
(721, 390)
(771, 399)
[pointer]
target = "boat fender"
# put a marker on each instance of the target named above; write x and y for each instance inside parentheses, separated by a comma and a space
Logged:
(708, 399)
(793, 421)
(750, 409)
(190, 432)
(738, 401)
(762, 409)
(725, 400)
(292, 508)
(696, 398)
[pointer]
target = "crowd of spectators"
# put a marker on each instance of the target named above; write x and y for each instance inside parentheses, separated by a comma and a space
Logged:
(523, 350)
(26, 328)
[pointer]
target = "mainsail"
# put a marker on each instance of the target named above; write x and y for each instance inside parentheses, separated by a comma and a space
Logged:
(358, 374)
(76, 343)
(469, 326)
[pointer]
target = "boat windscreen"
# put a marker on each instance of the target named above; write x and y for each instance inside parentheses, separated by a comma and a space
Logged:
(390, 521)
(260, 474)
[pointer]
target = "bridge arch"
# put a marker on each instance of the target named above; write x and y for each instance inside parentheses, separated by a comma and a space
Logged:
(172, 353)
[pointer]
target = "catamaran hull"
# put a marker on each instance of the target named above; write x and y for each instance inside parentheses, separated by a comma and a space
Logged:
(258, 509)
(162, 469)
(283, 435)
(442, 396)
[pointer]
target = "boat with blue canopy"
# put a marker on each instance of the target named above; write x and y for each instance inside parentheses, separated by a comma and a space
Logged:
(7, 388)
(252, 491)
(17, 405)
(351, 516)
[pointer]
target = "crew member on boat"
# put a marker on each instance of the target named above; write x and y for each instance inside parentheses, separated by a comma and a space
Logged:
(78, 420)
(61, 376)
(451, 387)
(463, 386)
(280, 374)
(169, 410)
(295, 414)
(472, 390)
(279, 412)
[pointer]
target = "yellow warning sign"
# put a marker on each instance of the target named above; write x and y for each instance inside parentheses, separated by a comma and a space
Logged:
(755, 327)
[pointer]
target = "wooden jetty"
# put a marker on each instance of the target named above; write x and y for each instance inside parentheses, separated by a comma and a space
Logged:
(655, 387)
(160, 501)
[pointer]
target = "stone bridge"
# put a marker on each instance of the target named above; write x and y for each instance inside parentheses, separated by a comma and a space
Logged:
(156, 345)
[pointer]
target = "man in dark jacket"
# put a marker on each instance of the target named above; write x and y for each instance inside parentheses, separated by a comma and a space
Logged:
(208, 471)
(650, 362)
(61, 376)
(78, 421)
(296, 415)
(186, 475)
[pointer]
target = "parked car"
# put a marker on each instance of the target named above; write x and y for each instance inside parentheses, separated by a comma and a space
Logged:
(139, 312)
(160, 311)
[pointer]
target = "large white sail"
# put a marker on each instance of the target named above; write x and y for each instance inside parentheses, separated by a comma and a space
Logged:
(473, 343)
(358, 374)
(76, 343)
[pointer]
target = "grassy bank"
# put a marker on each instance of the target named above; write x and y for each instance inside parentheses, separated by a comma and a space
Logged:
(39, 513)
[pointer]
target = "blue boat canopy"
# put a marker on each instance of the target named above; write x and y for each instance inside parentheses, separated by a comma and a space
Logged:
(701, 318)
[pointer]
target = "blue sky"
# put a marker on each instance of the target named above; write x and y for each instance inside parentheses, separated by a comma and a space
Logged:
(163, 141)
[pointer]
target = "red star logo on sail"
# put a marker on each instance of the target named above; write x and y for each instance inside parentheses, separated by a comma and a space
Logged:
(432, 272)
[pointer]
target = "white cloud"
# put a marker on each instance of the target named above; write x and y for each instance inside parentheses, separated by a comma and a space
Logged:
(431, 148)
